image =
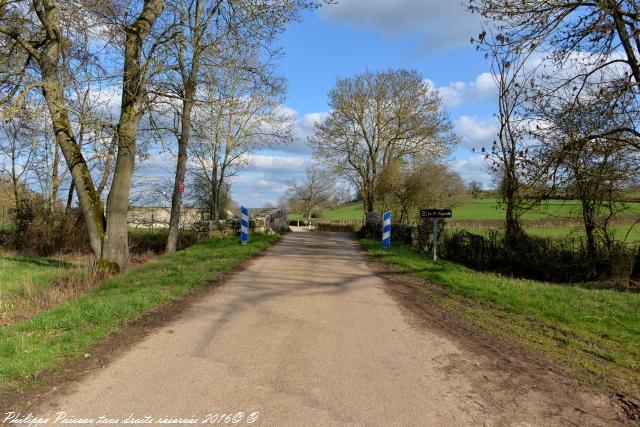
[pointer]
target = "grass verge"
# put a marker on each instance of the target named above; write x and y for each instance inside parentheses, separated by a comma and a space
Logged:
(20, 272)
(593, 332)
(45, 341)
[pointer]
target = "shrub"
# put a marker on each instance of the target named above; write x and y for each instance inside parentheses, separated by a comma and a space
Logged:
(40, 230)
(635, 273)
(143, 240)
(548, 259)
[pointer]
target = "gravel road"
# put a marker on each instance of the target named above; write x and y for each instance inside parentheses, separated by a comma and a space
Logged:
(306, 335)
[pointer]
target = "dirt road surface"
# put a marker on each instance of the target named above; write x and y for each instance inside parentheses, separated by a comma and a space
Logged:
(307, 335)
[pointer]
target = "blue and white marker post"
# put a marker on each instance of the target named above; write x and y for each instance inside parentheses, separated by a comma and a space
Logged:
(244, 225)
(386, 230)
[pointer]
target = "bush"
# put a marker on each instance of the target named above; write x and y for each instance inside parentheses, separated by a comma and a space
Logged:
(547, 259)
(556, 260)
(635, 273)
(142, 240)
(40, 230)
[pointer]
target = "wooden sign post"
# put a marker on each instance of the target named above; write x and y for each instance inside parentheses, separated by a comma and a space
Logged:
(435, 215)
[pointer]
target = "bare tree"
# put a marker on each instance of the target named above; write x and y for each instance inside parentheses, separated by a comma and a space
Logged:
(475, 189)
(377, 118)
(18, 149)
(47, 167)
(513, 74)
(197, 37)
(409, 187)
(576, 40)
(596, 171)
(216, 201)
(313, 192)
(242, 113)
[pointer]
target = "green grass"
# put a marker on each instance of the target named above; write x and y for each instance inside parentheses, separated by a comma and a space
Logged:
(18, 272)
(484, 209)
(594, 332)
(628, 233)
(44, 341)
(491, 209)
(352, 211)
(487, 209)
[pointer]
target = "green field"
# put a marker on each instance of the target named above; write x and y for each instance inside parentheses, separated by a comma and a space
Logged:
(19, 274)
(67, 330)
(594, 332)
(483, 209)
(353, 211)
(627, 233)
(491, 210)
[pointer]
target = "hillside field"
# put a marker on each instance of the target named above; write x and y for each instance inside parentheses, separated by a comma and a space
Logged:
(481, 209)
(488, 210)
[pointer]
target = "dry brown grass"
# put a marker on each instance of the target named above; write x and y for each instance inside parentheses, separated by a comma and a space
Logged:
(33, 299)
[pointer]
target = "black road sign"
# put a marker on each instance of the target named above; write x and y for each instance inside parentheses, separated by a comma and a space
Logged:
(435, 213)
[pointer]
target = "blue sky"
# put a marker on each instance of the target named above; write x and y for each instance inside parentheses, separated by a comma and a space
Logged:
(431, 36)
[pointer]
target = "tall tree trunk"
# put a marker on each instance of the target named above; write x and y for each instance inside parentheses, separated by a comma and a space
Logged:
(623, 34)
(115, 248)
(181, 167)
(218, 193)
(212, 204)
(16, 195)
(369, 202)
(55, 178)
(215, 200)
(14, 176)
(511, 197)
(589, 221)
(70, 197)
(189, 80)
(53, 94)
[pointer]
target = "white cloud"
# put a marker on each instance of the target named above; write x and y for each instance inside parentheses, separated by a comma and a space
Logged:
(439, 24)
(475, 132)
(473, 169)
(309, 120)
(456, 93)
(255, 190)
(303, 127)
(274, 164)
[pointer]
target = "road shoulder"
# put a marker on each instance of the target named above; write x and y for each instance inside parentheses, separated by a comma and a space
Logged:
(506, 370)
(30, 393)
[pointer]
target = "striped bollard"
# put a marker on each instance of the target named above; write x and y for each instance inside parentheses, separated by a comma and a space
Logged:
(386, 230)
(244, 225)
